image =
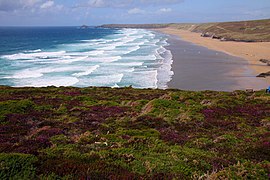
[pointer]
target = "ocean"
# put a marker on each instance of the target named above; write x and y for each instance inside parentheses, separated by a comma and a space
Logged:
(70, 56)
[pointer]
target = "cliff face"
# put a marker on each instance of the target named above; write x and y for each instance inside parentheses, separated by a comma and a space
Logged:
(80, 133)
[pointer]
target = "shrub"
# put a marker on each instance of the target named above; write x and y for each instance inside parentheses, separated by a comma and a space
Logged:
(11, 106)
(244, 170)
(17, 166)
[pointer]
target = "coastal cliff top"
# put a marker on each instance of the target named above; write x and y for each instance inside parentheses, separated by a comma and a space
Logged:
(126, 133)
(256, 30)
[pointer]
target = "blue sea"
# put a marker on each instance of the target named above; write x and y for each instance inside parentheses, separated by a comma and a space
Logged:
(70, 56)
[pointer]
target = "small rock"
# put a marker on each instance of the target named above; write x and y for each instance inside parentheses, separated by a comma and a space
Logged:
(249, 90)
(265, 61)
(219, 139)
(264, 74)
(216, 37)
(265, 123)
(166, 97)
(223, 39)
(206, 102)
(207, 34)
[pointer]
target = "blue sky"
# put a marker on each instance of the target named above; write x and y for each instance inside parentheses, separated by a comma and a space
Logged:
(96, 12)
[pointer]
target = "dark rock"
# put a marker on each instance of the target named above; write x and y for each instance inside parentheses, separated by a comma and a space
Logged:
(264, 74)
(265, 61)
(242, 40)
(207, 34)
(216, 37)
(249, 90)
(84, 27)
(232, 39)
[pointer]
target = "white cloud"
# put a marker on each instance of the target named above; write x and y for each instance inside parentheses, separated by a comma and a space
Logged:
(141, 11)
(165, 10)
(47, 5)
(124, 3)
(28, 3)
(105, 3)
(97, 3)
(160, 2)
(59, 7)
(136, 11)
(15, 5)
(10, 5)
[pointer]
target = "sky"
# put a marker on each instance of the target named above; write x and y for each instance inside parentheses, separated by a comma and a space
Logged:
(97, 12)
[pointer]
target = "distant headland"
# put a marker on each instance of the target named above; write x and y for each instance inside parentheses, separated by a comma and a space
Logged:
(246, 39)
(84, 27)
(246, 31)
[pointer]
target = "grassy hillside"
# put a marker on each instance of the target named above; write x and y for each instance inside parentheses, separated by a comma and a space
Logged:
(250, 31)
(243, 31)
(144, 26)
(184, 26)
(104, 133)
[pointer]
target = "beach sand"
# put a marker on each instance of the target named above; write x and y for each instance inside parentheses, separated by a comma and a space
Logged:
(252, 52)
(199, 68)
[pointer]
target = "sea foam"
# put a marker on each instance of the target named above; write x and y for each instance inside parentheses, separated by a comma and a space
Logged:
(86, 72)
(134, 57)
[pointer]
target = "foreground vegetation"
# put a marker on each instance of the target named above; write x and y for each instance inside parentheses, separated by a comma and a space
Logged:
(104, 133)
(249, 31)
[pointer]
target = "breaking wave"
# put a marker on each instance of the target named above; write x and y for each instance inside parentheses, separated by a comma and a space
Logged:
(127, 57)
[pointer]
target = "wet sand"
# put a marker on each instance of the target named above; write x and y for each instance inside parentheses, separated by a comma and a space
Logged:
(252, 52)
(199, 68)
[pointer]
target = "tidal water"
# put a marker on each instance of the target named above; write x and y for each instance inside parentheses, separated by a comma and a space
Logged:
(70, 56)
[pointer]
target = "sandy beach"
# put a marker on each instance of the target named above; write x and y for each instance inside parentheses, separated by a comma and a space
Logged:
(198, 68)
(252, 52)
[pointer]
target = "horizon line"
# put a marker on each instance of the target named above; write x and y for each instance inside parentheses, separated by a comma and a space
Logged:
(132, 23)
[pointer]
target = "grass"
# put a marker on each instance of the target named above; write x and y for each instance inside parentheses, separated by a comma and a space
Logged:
(126, 133)
(257, 30)
(250, 31)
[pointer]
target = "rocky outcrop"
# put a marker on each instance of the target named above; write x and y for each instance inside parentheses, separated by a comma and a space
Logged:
(207, 34)
(216, 37)
(266, 61)
(84, 27)
(264, 75)
(221, 38)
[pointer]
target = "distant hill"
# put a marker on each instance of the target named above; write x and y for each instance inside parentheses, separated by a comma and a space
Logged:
(250, 31)
(258, 30)
(145, 26)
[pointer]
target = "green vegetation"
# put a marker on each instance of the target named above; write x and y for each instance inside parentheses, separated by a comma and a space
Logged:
(238, 31)
(17, 166)
(249, 31)
(145, 26)
(126, 133)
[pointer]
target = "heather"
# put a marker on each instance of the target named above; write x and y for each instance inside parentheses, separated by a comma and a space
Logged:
(126, 133)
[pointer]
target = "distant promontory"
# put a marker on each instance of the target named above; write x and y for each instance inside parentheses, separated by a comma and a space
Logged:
(246, 31)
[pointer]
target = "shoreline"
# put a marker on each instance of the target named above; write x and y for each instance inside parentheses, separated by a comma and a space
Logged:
(251, 52)
(198, 68)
